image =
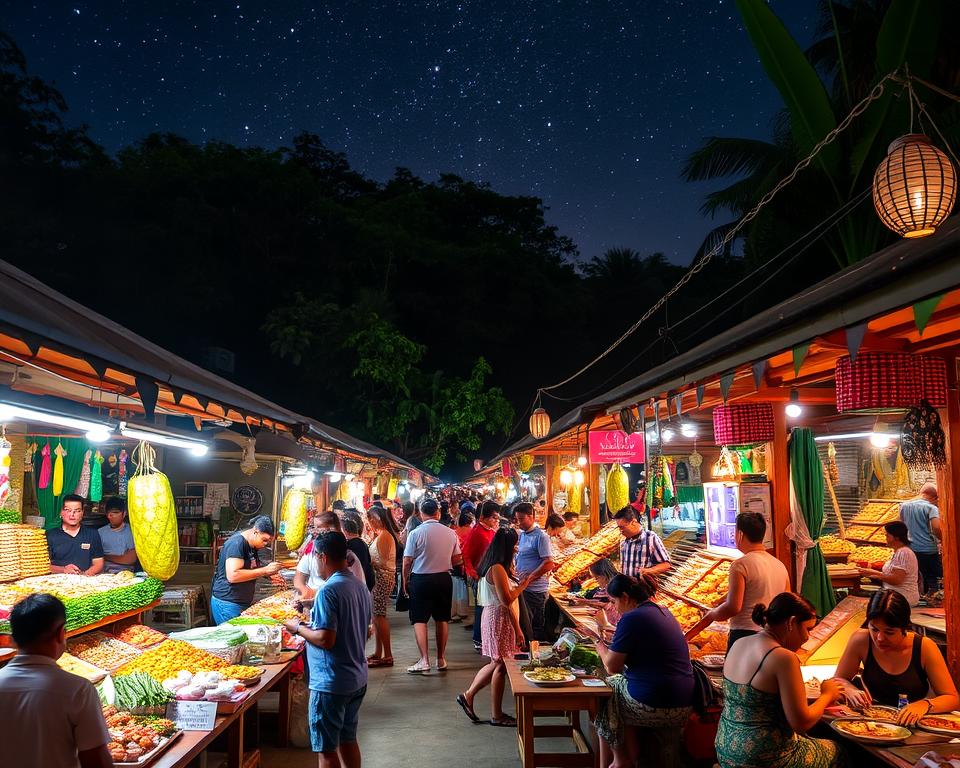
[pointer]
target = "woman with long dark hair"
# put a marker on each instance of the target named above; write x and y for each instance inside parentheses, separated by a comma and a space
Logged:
(499, 625)
(383, 557)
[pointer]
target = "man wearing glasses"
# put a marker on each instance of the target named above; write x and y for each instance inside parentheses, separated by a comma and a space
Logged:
(51, 717)
(73, 548)
(641, 551)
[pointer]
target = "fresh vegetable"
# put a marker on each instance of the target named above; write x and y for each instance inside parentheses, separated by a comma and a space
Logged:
(618, 489)
(153, 518)
(585, 657)
(138, 690)
(242, 621)
(294, 514)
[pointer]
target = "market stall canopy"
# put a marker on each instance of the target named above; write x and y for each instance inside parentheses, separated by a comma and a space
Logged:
(890, 283)
(52, 345)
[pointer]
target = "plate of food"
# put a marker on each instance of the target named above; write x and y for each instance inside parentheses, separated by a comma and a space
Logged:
(870, 731)
(878, 712)
(947, 724)
(550, 677)
(713, 660)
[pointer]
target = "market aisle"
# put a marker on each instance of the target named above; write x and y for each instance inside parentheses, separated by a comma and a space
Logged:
(413, 721)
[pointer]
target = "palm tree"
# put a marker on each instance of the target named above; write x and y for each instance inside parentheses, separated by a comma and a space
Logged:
(859, 42)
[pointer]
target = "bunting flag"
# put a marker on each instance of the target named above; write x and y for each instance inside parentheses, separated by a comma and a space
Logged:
(726, 381)
(923, 311)
(799, 355)
(678, 402)
(759, 369)
(855, 334)
(701, 389)
(149, 391)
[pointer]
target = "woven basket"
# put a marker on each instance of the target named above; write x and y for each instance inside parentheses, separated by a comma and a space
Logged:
(933, 380)
(743, 424)
(878, 381)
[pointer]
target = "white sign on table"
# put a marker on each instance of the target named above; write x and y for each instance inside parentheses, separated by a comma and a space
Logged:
(193, 715)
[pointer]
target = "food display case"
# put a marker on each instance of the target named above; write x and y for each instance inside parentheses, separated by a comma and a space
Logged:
(723, 501)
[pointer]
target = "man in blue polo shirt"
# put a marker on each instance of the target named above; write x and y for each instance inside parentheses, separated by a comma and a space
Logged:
(534, 560)
(72, 547)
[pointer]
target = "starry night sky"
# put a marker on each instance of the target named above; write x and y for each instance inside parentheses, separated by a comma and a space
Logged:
(591, 105)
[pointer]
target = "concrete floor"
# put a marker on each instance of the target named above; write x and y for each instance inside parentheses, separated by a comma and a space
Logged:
(413, 721)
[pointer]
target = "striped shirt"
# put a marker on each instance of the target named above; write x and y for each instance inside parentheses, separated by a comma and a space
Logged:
(642, 551)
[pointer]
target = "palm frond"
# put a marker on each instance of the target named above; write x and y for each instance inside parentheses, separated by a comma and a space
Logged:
(720, 156)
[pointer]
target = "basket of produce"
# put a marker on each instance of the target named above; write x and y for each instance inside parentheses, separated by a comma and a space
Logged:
(139, 694)
(170, 657)
(870, 557)
(226, 642)
(836, 550)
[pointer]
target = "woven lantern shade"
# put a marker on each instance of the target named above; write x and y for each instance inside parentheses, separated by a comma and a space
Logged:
(539, 423)
(743, 423)
(914, 187)
(878, 382)
(933, 380)
(477, 465)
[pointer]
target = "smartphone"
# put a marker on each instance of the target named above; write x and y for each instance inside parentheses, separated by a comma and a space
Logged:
(521, 656)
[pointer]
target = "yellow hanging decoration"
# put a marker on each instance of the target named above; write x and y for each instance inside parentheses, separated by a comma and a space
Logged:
(618, 489)
(57, 487)
(525, 462)
(575, 498)
(392, 488)
(153, 516)
(293, 512)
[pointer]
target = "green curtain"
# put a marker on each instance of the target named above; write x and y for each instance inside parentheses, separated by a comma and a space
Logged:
(806, 477)
(76, 448)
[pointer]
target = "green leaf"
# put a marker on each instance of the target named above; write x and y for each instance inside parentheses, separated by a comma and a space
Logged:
(795, 78)
(909, 36)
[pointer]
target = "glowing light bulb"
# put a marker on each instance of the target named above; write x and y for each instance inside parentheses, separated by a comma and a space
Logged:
(667, 435)
(793, 410)
(566, 477)
(582, 461)
(578, 477)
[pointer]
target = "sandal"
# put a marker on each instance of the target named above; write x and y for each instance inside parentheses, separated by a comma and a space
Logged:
(505, 722)
(386, 661)
(467, 709)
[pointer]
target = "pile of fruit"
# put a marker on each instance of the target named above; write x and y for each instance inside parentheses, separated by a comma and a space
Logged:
(140, 636)
(711, 589)
(278, 606)
(831, 545)
(878, 512)
(102, 650)
(870, 557)
(132, 737)
(170, 657)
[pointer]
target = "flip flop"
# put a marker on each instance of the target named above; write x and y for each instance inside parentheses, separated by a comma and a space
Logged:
(385, 662)
(467, 709)
(506, 722)
(442, 667)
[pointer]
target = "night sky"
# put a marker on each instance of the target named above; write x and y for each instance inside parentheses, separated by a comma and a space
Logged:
(590, 105)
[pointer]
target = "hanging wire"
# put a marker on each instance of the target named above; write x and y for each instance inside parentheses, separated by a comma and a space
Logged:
(877, 91)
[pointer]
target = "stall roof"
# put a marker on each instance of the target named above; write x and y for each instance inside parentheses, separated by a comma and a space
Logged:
(41, 327)
(896, 277)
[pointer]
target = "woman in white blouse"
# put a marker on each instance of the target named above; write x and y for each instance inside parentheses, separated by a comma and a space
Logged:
(900, 573)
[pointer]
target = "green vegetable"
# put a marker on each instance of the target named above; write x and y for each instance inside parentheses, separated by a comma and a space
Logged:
(139, 690)
(242, 621)
(585, 657)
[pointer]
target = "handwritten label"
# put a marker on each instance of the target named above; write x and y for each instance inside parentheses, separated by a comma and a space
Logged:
(193, 715)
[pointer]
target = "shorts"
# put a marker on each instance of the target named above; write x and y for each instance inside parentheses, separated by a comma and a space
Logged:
(224, 610)
(333, 719)
(431, 596)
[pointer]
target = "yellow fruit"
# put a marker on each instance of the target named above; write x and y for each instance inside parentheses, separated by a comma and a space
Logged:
(293, 511)
(153, 520)
(618, 489)
(525, 462)
(392, 488)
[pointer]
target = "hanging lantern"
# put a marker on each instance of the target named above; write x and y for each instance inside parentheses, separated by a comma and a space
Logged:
(539, 423)
(477, 465)
(914, 187)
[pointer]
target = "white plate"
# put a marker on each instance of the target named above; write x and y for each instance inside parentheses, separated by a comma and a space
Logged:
(934, 729)
(897, 732)
(550, 683)
(713, 660)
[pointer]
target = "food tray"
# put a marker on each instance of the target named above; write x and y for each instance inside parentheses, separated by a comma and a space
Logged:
(931, 727)
(75, 666)
(711, 588)
(103, 650)
(876, 512)
(693, 569)
(570, 678)
(861, 532)
(153, 754)
(140, 636)
(897, 732)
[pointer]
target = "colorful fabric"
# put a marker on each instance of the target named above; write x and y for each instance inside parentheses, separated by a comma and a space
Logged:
(46, 469)
(622, 711)
(83, 484)
(933, 380)
(122, 481)
(497, 637)
(57, 486)
(386, 577)
(754, 731)
(878, 380)
(96, 477)
(743, 423)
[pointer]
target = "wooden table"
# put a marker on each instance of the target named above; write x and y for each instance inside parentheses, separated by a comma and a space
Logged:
(569, 701)
(192, 743)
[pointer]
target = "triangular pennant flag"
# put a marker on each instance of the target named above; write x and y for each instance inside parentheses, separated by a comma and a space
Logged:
(98, 365)
(759, 368)
(149, 391)
(678, 403)
(923, 311)
(855, 334)
(726, 381)
(701, 389)
(799, 355)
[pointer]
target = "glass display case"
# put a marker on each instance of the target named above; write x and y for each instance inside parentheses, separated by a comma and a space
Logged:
(723, 501)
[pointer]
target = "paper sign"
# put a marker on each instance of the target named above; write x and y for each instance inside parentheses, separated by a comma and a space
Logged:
(193, 715)
(216, 495)
(613, 446)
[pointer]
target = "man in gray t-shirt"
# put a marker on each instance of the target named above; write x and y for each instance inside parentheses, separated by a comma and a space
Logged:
(119, 553)
(922, 518)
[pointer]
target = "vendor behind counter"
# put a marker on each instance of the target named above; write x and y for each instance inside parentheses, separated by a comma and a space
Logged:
(74, 548)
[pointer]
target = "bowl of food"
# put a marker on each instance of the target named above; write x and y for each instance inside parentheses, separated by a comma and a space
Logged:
(870, 731)
(550, 677)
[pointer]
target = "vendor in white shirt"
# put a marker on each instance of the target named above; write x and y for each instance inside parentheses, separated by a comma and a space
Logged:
(901, 572)
(307, 579)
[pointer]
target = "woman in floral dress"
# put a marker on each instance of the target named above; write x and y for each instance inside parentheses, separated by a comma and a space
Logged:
(765, 712)
(499, 625)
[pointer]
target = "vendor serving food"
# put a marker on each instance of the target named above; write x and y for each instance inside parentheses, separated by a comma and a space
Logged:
(895, 662)
(73, 548)
(238, 568)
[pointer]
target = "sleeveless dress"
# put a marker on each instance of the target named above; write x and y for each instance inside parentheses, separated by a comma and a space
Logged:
(754, 732)
(497, 638)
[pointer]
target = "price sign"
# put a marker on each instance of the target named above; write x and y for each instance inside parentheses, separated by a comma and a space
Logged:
(193, 715)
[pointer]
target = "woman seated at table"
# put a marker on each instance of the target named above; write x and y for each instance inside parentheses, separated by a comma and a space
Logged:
(765, 711)
(895, 661)
(900, 573)
(655, 688)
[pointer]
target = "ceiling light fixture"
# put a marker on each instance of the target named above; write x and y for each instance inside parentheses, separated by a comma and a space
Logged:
(95, 431)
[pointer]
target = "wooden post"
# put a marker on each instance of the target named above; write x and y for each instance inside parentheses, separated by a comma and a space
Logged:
(948, 486)
(778, 468)
(548, 462)
(594, 480)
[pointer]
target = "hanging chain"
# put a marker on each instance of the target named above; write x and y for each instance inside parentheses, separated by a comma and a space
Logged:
(144, 456)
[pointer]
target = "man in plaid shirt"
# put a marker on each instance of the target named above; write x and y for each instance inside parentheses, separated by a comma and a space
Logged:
(641, 551)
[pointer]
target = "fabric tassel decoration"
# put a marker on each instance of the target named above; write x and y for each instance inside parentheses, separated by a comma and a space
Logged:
(96, 477)
(5, 448)
(83, 484)
(122, 478)
(46, 468)
(60, 452)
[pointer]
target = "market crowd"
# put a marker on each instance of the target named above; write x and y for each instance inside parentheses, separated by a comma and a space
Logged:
(487, 566)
